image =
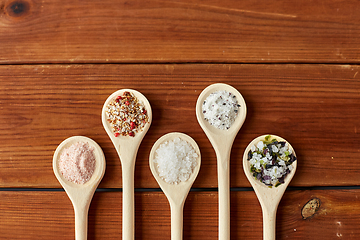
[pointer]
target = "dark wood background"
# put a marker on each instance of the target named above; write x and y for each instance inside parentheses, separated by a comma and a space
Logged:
(295, 63)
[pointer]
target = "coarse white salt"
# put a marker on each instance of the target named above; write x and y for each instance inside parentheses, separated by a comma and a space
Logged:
(77, 163)
(220, 109)
(175, 160)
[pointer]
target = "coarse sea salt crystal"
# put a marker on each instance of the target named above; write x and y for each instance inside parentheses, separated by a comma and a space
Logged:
(260, 145)
(175, 160)
(274, 148)
(77, 163)
(253, 148)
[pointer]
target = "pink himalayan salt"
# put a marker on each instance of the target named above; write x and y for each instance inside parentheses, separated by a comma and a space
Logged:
(77, 163)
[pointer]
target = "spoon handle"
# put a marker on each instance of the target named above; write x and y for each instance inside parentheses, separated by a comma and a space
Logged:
(128, 219)
(224, 202)
(81, 222)
(269, 223)
(176, 221)
(223, 168)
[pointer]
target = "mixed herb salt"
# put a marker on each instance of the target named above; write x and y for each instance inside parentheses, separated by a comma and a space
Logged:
(270, 161)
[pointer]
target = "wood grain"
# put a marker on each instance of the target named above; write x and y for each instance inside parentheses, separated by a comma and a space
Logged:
(314, 107)
(226, 31)
(60, 60)
(27, 218)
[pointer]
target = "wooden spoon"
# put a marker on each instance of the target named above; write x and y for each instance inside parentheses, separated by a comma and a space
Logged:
(269, 198)
(175, 193)
(127, 148)
(80, 194)
(222, 141)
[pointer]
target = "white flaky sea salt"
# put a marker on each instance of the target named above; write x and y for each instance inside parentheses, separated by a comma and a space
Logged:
(175, 160)
(220, 109)
(77, 163)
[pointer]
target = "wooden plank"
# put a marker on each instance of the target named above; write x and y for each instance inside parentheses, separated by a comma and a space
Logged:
(49, 215)
(140, 31)
(314, 107)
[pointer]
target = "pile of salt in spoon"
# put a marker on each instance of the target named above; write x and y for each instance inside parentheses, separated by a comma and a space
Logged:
(77, 162)
(175, 160)
(220, 109)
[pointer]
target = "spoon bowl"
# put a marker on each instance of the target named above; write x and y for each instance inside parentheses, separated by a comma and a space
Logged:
(175, 193)
(222, 141)
(80, 194)
(269, 198)
(127, 148)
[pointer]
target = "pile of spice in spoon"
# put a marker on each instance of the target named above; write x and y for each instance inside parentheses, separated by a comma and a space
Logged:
(270, 161)
(126, 115)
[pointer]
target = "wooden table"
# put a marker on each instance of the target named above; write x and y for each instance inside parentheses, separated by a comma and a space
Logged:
(295, 63)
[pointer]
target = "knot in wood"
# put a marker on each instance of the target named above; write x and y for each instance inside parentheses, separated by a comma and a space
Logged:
(310, 208)
(18, 8)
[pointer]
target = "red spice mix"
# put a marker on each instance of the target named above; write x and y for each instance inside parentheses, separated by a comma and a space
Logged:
(126, 115)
